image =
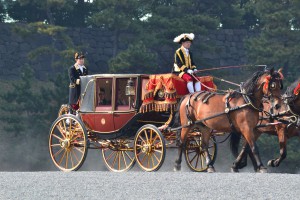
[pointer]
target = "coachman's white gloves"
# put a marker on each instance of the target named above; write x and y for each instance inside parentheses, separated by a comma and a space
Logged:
(190, 71)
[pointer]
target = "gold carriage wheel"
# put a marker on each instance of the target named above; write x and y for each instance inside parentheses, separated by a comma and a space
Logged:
(64, 109)
(68, 143)
(149, 148)
(194, 155)
(119, 156)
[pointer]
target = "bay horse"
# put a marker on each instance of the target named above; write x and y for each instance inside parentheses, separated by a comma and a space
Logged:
(237, 110)
(286, 119)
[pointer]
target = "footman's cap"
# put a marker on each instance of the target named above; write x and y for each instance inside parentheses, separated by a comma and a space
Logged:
(79, 55)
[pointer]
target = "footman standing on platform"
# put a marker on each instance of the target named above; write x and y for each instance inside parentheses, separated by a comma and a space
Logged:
(75, 71)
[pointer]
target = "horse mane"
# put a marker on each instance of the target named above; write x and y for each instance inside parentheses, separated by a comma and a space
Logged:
(250, 84)
(290, 91)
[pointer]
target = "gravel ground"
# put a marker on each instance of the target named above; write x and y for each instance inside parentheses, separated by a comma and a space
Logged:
(142, 185)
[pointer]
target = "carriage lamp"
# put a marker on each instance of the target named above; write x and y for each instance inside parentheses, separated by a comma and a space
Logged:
(130, 89)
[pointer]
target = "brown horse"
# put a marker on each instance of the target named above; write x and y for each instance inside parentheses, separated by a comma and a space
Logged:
(286, 119)
(238, 111)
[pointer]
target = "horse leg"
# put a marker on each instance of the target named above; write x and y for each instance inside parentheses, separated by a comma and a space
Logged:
(241, 157)
(243, 162)
(205, 137)
(282, 144)
(254, 149)
(181, 147)
(251, 156)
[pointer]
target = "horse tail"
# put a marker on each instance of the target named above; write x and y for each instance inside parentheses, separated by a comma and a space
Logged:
(234, 143)
(176, 121)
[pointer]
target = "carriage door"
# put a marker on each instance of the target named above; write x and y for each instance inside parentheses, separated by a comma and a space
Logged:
(104, 106)
(124, 110)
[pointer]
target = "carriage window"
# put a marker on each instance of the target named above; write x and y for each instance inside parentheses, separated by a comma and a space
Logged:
(121, 98)
(104, 91)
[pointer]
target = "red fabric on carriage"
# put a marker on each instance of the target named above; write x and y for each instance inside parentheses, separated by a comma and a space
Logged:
(173, 87)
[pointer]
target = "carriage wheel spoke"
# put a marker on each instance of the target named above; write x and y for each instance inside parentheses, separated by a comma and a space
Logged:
(142, 160)
(142, 138)
(151, 134)
(154, 139)
(115, 159)
(197, 160)
(156, 157)
(152, 161)
(202, 160)
(57, 137)
(61, 159)
(110, 155)
(130, 157)
(146, 135)
(193, 158)
(58, 152)
(67, 159)
(158, 151)
(75, 155)
(71, 158)
(55, 145)
(78, 149)
(124, 159)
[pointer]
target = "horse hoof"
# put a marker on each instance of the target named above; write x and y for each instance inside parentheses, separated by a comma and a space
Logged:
(177, 168)
(271, 163)
(234, 170)
(263, 170)
(211, 170)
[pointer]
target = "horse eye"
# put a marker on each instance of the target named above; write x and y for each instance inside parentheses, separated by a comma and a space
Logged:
(273, 85)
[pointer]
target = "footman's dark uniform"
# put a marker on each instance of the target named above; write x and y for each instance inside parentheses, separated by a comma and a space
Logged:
(74, 87)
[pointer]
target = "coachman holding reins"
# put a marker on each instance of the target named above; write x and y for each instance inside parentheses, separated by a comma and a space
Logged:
(184, 63)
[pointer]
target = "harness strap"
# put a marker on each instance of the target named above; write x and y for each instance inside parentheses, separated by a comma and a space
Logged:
(207, 97)
(187, 106)
(248, 100)
(198, 94)
(227, 110)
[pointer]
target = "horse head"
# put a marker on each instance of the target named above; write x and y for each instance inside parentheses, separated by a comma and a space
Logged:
(272, 86)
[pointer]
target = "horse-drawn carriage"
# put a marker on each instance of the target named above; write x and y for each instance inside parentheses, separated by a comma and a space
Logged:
(125, 127)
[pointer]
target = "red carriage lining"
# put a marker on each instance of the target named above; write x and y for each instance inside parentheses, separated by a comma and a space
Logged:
(174, 88)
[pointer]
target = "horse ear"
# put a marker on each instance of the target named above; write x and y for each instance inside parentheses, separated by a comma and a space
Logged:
(280, 70)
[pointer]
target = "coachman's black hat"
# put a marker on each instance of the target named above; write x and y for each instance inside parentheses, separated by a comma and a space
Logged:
(184, 37)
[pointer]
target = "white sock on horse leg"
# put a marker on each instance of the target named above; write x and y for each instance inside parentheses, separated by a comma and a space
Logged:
(198, 86)
(190, 87)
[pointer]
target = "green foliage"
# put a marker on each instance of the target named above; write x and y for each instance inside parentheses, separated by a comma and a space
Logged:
(2, 12)
(55, 12)
(278, 43)
(115, 14)
(136, 59)
(25, 107)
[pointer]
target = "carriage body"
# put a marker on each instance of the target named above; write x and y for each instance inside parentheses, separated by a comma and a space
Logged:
(112, 118)
(124, 126)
